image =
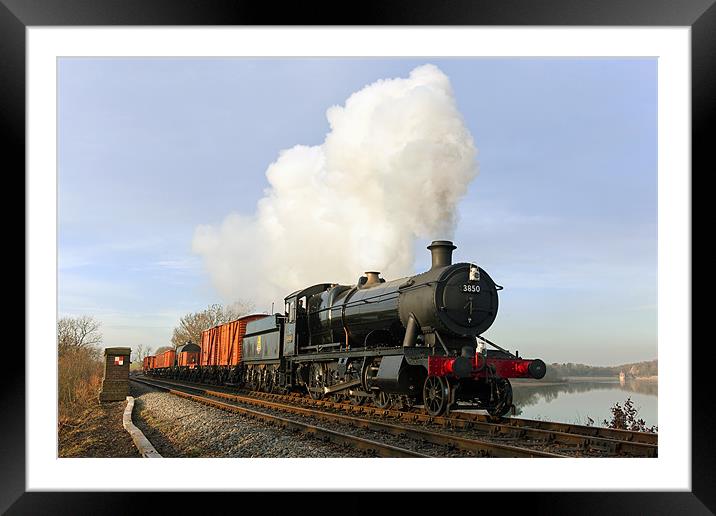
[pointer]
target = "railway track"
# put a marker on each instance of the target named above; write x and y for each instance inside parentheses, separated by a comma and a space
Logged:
(431, 444)
(377, 448)
(601, 441)
(576, 440)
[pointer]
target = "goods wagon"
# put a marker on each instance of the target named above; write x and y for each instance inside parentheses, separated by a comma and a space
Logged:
(165, 360)
(188, 355)
(216, 360)
(221, 348)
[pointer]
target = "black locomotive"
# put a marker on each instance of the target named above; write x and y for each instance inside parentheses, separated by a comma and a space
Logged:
(405, 342)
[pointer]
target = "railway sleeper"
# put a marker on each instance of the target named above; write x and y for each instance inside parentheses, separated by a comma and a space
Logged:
(507, 431)
(580, 442)
(603, 446)
(541, 440)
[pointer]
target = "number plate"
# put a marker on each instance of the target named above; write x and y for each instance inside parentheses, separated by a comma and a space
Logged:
(471, 288)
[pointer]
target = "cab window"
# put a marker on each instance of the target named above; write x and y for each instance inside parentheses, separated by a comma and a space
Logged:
(291, 311)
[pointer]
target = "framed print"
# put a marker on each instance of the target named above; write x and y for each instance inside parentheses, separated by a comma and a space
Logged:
(581, 123)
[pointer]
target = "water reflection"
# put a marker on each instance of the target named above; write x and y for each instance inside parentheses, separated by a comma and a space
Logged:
(529, 393)
(578, 398)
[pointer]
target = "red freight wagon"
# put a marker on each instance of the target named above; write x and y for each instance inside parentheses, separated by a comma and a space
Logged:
(188, 355)
(207, 347)
(166, 359)
(188, 359)
(210, 347)
(239, 330)
(148, 364)
(221, 345)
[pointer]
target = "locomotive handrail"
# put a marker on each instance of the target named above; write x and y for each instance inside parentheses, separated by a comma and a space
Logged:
(496, 346)
(351, 304)
(440, 339)
(368, 300)
(318, 347)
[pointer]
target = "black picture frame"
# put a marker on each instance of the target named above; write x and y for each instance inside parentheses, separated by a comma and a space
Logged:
(699, 15)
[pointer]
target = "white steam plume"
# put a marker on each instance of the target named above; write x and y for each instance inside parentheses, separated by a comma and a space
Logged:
(392, 168)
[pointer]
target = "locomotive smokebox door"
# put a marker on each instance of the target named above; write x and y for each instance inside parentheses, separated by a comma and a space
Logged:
(115, 383)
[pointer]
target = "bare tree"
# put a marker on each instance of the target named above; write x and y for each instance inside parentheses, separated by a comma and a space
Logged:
(141, 352)
(191, 325)
(162, 349)
(79, 364)
(78, 333)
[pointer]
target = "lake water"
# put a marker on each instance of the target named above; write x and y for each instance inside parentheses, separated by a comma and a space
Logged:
(574, 401)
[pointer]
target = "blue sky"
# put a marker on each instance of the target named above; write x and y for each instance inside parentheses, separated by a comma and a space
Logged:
(563, 212)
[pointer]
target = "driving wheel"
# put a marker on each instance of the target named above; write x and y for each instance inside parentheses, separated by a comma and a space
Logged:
(315, 381)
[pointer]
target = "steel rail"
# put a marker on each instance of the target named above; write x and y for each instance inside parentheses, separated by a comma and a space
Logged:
(645, 443)
(380, 449)
(605, 440)
(480, 447)
(647, 438)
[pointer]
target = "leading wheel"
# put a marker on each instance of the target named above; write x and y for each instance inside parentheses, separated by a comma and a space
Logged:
(436, 394)
(503, 391)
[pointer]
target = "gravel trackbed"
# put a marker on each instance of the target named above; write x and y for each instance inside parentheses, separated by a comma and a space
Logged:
(182, 428)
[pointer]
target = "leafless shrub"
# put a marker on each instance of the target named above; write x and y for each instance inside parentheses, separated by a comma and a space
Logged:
(79, 365)
(627, 418)
(80, 378)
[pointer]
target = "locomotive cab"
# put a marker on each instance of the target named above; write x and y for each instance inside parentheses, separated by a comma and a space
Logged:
(296, 328)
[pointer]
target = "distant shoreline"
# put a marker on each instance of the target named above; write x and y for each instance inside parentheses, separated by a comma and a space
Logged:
(576, 379)
(602, 378)
(637, 371)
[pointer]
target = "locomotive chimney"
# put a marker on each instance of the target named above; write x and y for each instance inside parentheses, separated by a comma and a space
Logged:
(372, 278)
(441, 251)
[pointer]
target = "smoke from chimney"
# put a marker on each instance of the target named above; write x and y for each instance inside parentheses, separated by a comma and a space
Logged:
(392, 168)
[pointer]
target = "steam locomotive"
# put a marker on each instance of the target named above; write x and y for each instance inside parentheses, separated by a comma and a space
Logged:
(407, 342)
